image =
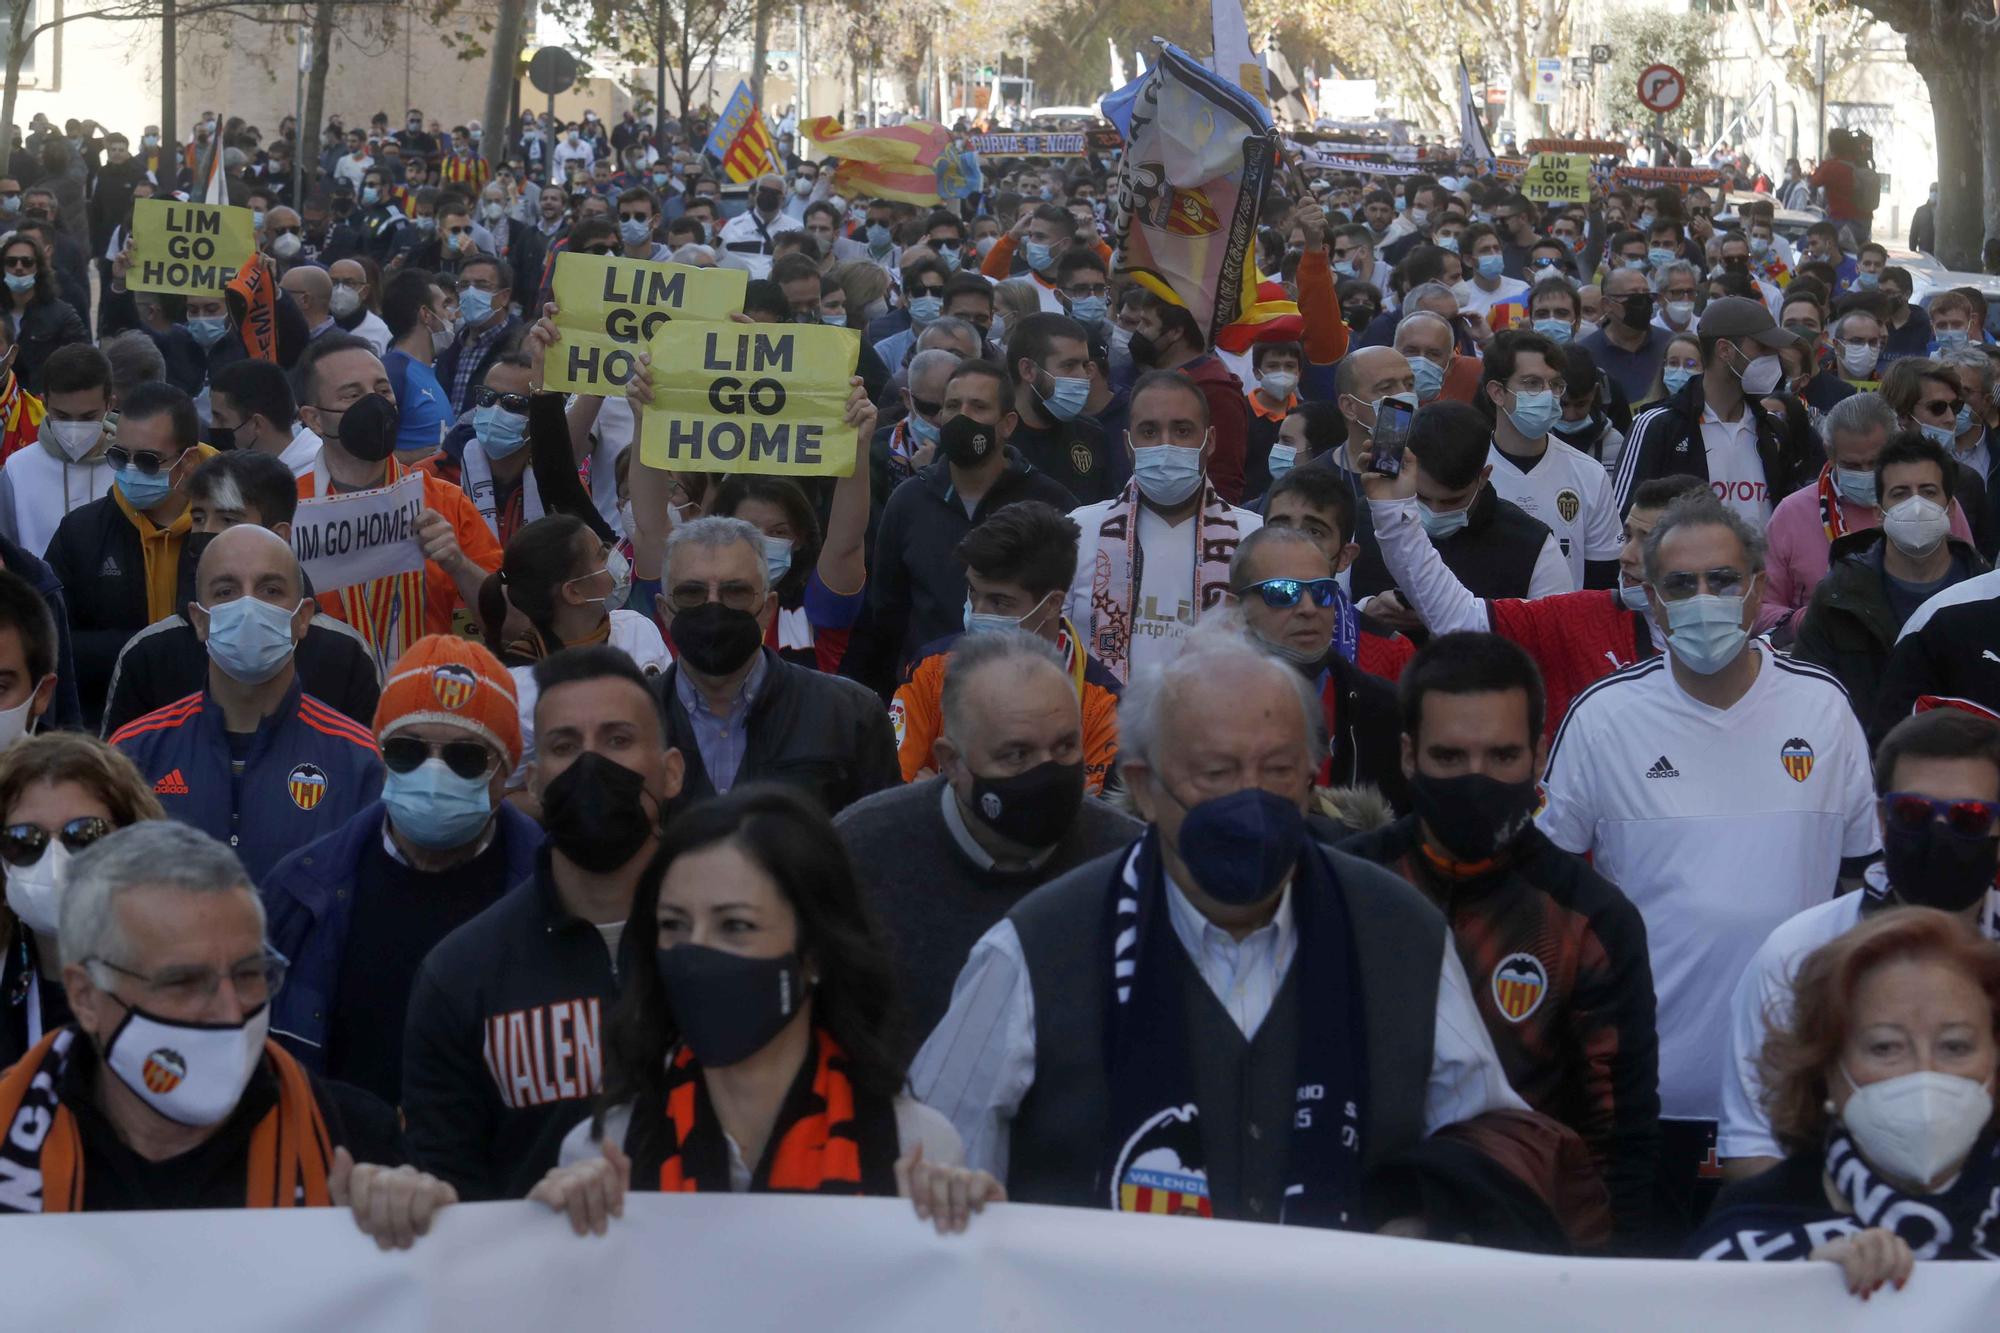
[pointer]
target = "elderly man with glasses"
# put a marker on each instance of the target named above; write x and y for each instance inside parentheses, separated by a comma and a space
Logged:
(165, 1092)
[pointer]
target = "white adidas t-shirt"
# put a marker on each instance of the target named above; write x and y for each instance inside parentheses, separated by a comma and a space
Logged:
(1570, 491)
(635, 634)
(1719, 825)
(1166, 608)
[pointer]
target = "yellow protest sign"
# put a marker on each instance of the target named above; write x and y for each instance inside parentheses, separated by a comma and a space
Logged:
(765, 398)
(188, 249)
(608, 308)
(1557, 178)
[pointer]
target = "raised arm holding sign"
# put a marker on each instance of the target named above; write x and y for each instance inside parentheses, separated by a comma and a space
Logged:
(188, 249)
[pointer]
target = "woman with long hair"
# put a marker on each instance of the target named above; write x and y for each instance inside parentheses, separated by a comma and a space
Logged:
(41, 321)
(820, 582)
(759, 1050)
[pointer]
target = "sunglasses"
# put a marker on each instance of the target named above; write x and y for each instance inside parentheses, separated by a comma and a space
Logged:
(147, 462)
(507, 402)
(21, 845)
(925, 407)
(1281, 593)
(1940, 406)
(1912, 812)
(926, 289)
(468, 759)
(21, 264)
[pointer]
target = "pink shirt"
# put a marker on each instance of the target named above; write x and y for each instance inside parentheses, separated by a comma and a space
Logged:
(1796, 558)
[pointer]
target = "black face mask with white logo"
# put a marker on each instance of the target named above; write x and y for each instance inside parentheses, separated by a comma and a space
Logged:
(967, 443)
(1033, 808)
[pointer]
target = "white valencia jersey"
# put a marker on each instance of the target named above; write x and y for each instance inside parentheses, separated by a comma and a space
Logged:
(1718, 824)
(1570, 491)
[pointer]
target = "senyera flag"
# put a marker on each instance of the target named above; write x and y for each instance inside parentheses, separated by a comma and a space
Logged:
(1199, 152)
(741, 141)
(897, 162)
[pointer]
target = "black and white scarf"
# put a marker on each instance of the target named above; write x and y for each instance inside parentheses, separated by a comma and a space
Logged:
(1154, 1160)
(1960, 1222)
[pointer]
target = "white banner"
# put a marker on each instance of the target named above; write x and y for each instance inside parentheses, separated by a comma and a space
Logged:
(345, 539)
(754, 1263)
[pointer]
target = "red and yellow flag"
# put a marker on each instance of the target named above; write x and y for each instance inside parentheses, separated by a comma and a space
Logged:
(889, 162)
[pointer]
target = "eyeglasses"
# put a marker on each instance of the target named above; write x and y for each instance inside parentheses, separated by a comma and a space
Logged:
(735, 596)
(1939, 406)
(146, 461)
(468, 759)
(1913, 811)
(635, 217)
(1683, 584)
(945, 243)
(1083, 289)
(1279, 594)
(507, 402)
(255, 981)
(21, 845)
(22, 263)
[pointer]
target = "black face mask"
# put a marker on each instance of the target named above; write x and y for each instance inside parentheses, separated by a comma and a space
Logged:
(1934, 867)
(715, 639)
(1144, 351)
(729, 1007)
(596, 813)
(1034, 808)
(1360, 317)
(193, 545)
(368, 428)
(222, 437)
(768, 200)
(1473, 816)
(1636, 310)
(967, 443)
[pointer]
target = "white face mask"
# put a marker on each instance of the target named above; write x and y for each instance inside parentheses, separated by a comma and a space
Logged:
(1918, 1126)
(1762, 373)
(1916, 525)
(72, 439)
(35, 891)
(191, 1073)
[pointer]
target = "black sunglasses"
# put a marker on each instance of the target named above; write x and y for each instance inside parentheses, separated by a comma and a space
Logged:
(509, 402)
(468, 759)
(596, 250)
(146, 461)
(21, 845)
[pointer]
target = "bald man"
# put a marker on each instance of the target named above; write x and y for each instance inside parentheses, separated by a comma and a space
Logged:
(253, 760)
(311, 289)
(350, 304)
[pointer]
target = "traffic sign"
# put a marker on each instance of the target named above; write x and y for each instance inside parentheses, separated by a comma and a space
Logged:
(552, 70)
(1661, 88)
(1600, 54)
(1548, 79)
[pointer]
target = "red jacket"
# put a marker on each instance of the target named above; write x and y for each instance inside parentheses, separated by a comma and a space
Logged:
(1228, 416)
(1576, 638)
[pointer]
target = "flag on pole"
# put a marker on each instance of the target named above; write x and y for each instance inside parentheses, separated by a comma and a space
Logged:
(741, 141)
(1234, 60)
(909, 163)
(1118, 79)
(1199, 151)
(1471, 129)
(215, 188)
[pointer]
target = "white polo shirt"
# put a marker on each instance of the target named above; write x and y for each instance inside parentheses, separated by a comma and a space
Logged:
(1571, 492)
(1735, 472)
(1718, 824)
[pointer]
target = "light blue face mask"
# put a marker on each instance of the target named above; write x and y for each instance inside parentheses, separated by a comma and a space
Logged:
(1557, 331)
(777, 558)
(500, 432)
(1345, 268)
(1676, 378)
(1706, 632)
(834, 319)
(1964, 423)
(878, 236)
(1659, 256)
(1281, 460)
(370, 196)
(987, 622)
(475, 305)
(1089, 309)
(257, 219)
(1866, 281)
(143, 491)
(632, 231)
(1947, 338)
(924, 309)
(435, 808)
(1040, 256)
(1448, 243)
(250, 640)
(1429, 376)
(927, 432)
(1533, 413)
(427, 224)
(1942, 434)
(1855, 484)
(1167, 473)
(1442, 525)
(1066, 396)
(20, 282)
(208, 329)
(1490, 265)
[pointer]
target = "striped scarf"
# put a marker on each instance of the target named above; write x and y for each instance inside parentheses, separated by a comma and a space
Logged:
(41, 1156)
(1119, 570)
(828, 1139)
(1831, 520)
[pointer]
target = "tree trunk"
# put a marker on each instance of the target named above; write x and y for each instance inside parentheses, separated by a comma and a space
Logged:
(309, 138)
(17, 20)
(170, 132)
(501, 77)
(760, 47)
(1951, 71)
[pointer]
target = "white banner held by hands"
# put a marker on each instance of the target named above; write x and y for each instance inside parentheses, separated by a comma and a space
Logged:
(358, 536)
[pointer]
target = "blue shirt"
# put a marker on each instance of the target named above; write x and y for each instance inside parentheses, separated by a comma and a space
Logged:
(420, 402)
(1634, 372)
(722, 738)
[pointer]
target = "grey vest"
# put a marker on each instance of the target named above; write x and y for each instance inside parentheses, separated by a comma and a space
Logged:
(1244, 1088)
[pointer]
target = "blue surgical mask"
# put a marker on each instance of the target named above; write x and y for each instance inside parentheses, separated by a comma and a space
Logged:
(1448, 243)
(370, 196)
(500, 432)
(986, 622)
(475, 305)
(1040, 256)
(1533, 413)
(1281, 460)
(20, 282)
(1866, 281)
(427, 224)
(141, 490)
(435, 808)
(1556, 331)
(1429, 376)
(927, 432)
(1953, 337)
(1964, 423)
(1760, 245)
(777, 558)
(924, 309)
(1676, 378)
(257, 219)
(208, 329)
(1659, 256)
(250, 640)
(1645, 222)
(835, 319)
(1442, 525)
(1855, 484)
(1706, 632)
(1490, 265)
(1066, 396)
(1941, 434)
(1167, 473)
(1089, 309)
(878, 236)
(632, 231)
(1345, 268)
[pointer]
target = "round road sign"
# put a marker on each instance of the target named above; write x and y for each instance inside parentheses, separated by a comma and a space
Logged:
(1661, 88)
(552, 70)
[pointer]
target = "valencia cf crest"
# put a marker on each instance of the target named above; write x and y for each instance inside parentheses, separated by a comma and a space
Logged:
(453, 685)
(1153, 1174)
(899, 721)
(307, 784)
(1165, 207)
(1519, 984)
(1798, 759)
(1081, 458)
(1569, 504)
(163, 1070)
